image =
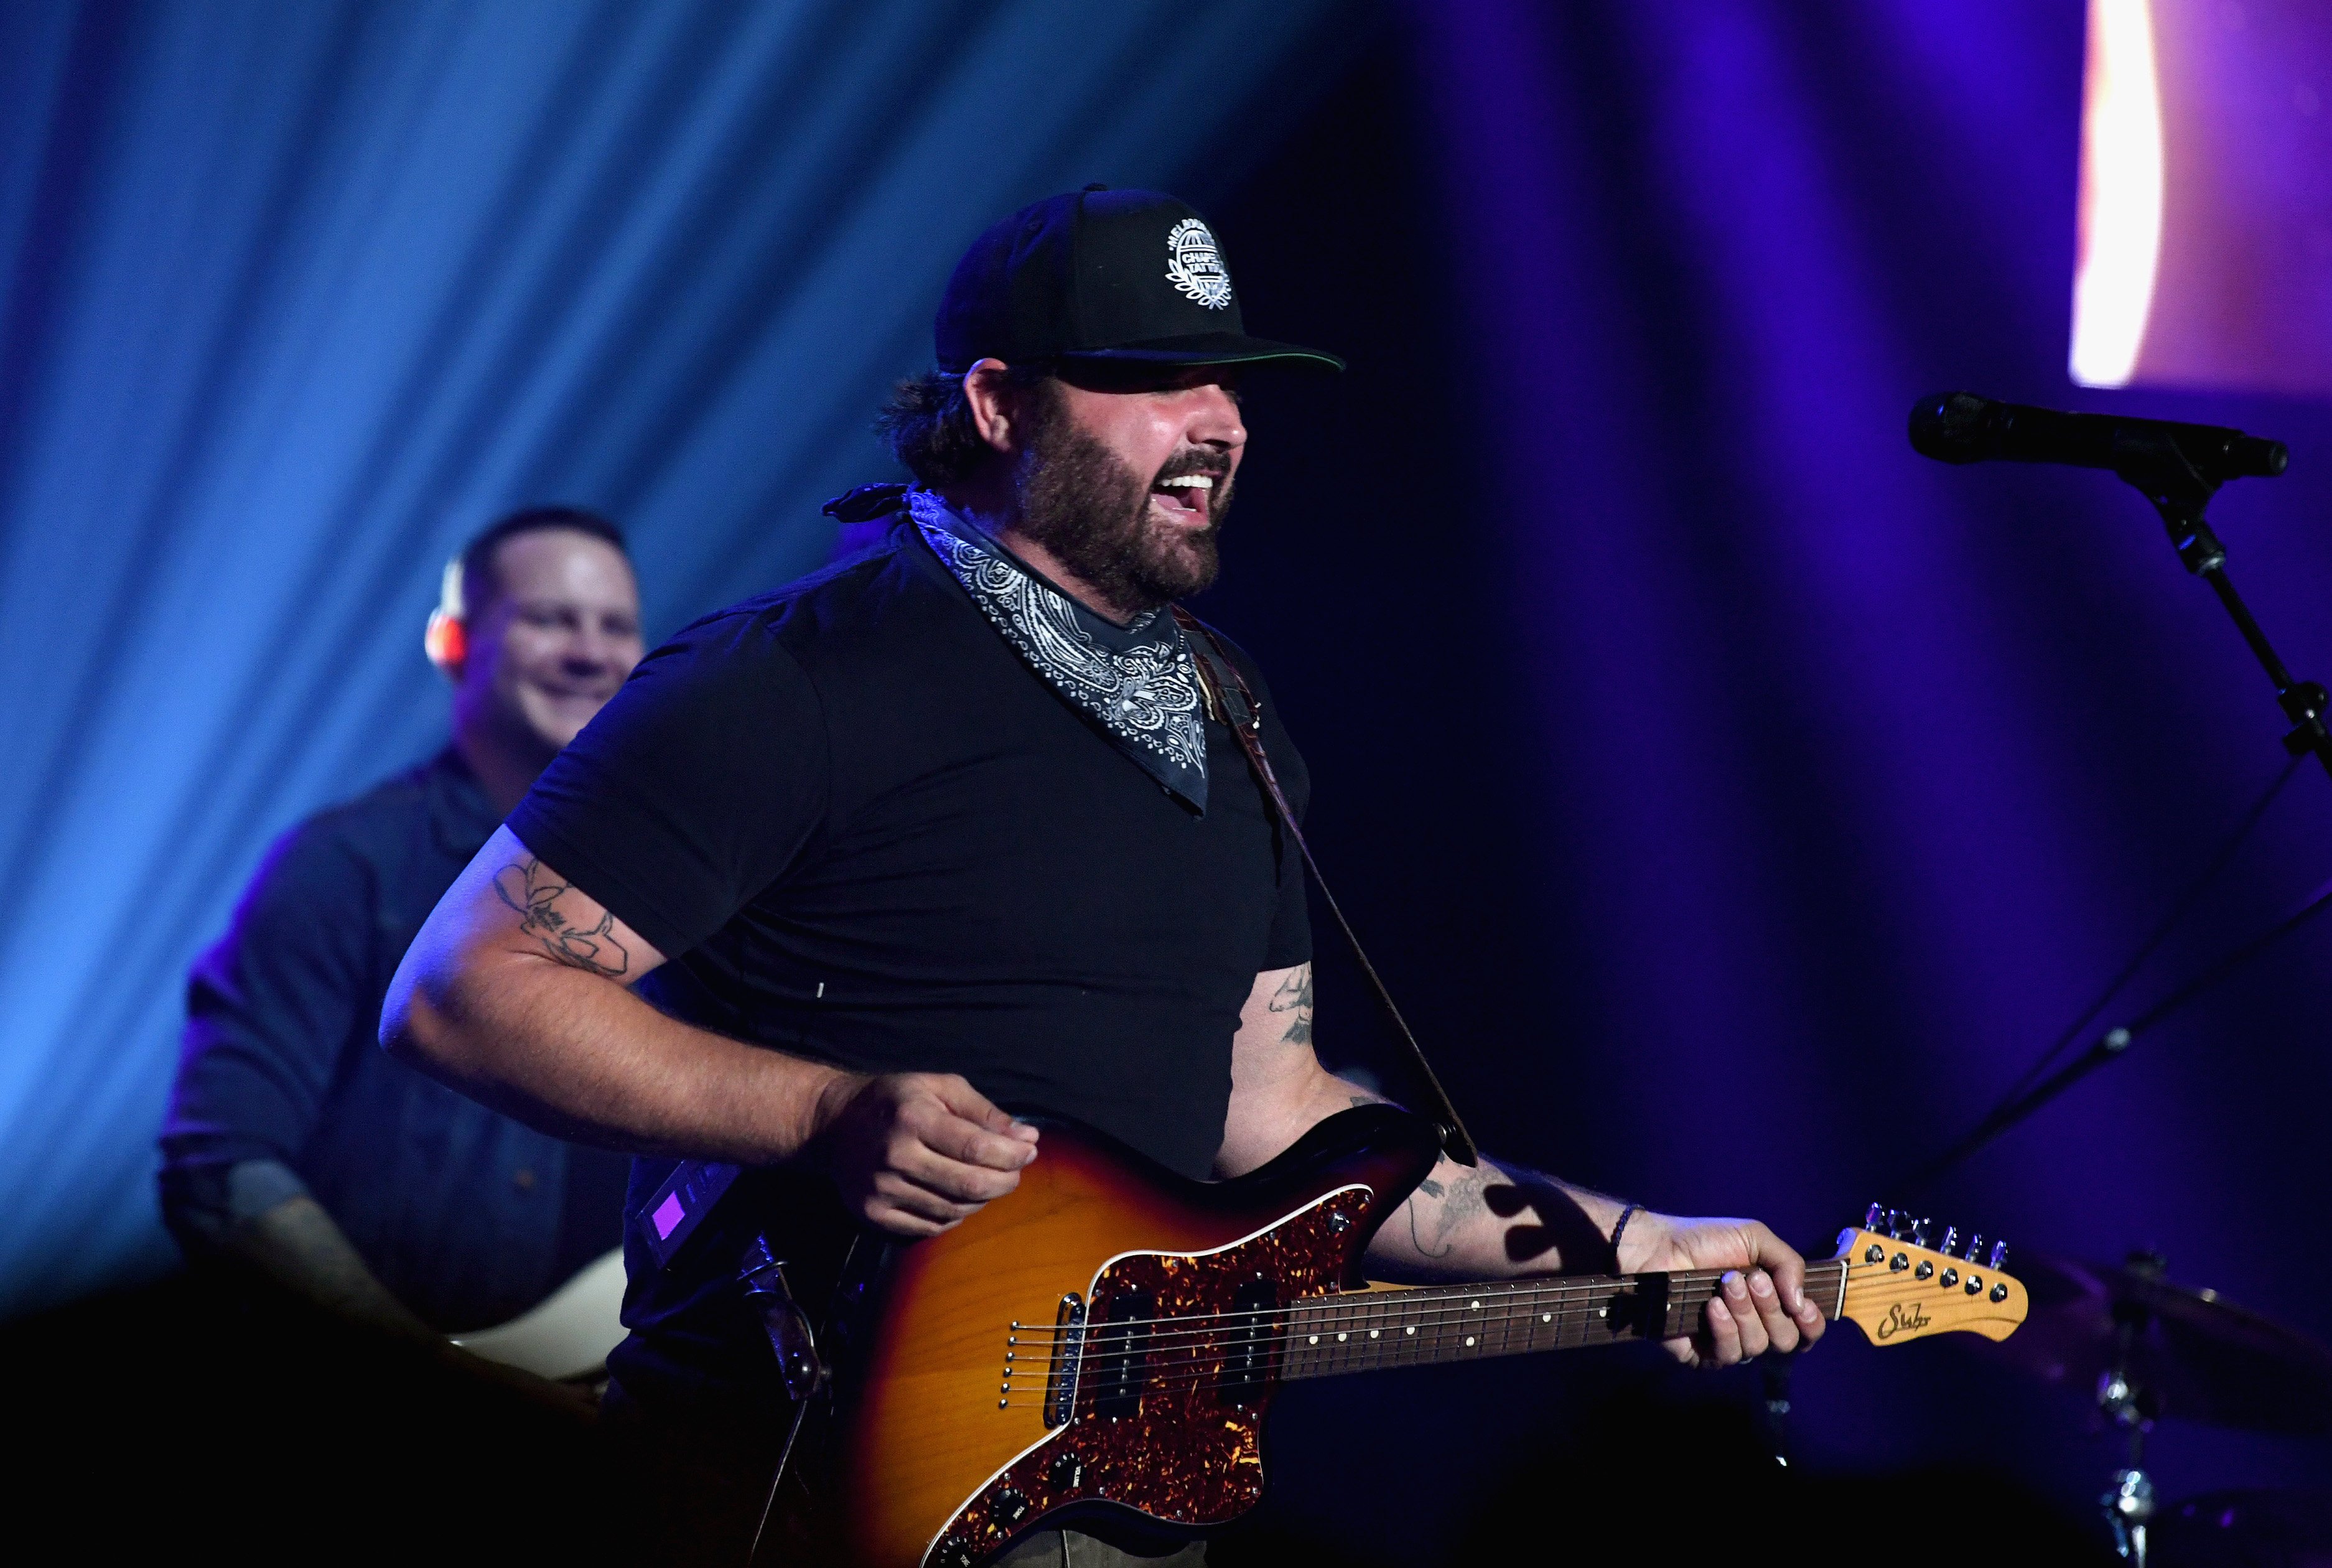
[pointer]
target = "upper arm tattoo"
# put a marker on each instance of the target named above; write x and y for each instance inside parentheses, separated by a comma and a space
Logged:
(528, 888)
(1294, 997)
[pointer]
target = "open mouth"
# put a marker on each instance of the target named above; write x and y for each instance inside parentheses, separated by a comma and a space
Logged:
(1186, 497)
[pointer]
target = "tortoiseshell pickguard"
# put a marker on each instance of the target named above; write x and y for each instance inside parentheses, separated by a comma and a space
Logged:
(1187, 1456)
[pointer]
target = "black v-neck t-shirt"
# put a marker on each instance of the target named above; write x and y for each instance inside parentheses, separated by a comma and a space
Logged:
(864, 832)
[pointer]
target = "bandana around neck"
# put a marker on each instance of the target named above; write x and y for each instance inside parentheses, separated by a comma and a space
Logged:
(1137, 682)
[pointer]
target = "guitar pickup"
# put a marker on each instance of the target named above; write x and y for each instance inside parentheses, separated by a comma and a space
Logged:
(1068, 1355)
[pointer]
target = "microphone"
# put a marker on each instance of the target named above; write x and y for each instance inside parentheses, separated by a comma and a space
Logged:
(1962, 427)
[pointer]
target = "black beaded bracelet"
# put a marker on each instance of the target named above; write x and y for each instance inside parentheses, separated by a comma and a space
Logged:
(1620, 1226)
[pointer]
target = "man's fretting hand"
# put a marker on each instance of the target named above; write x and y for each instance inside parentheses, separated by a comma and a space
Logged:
(1763, 1304)
(916, 1153)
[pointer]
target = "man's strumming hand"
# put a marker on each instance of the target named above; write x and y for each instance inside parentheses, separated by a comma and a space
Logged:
(1763, 1305)
(916, 1153)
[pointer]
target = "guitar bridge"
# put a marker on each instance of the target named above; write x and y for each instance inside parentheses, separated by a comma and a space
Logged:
(1068, 1355)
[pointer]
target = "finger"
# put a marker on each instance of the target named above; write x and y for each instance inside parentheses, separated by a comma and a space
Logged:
(961, 1139)
(1780, 1260)
(1744, 1311)
(1781, 1328)
(1723, 1333)
(897, 1221)
(901, 1192)
(950, 1178)
(956, 1092)
(1812, 1324)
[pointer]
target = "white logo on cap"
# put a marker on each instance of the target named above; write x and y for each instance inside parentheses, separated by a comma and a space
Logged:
(1194, 266)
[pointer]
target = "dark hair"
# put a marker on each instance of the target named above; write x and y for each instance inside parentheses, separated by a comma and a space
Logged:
(479, 585)
(927, 423)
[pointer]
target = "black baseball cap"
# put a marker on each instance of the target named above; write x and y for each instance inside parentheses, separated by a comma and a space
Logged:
(1101, 276)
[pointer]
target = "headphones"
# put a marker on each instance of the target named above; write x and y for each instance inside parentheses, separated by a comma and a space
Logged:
(447, 640)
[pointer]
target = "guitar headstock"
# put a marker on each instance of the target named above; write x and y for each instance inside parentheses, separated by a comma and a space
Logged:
(1896, 1287)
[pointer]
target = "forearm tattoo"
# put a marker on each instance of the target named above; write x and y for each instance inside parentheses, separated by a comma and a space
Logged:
(535, 895)
(1440, 1208)
(1294, 998)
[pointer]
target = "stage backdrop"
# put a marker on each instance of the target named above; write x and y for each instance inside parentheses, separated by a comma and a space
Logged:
(295, 294)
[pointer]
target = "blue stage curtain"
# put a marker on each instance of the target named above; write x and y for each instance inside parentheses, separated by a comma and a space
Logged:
(295, 294)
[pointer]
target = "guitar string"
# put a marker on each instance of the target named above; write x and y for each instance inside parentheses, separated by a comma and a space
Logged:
(1822, 1275)
(1353, 1300)
(1375, 1355)
(1440, 1339)
(1438, 1327)
(1389, 1300)
(1325, 1315)
(1328, 1321)
(1368, 1356)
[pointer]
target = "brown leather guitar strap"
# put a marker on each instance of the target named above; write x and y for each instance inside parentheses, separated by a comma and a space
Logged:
(1219, 675)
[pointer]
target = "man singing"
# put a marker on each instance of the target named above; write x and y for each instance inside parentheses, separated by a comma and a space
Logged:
(945, 835)
(293, 1145)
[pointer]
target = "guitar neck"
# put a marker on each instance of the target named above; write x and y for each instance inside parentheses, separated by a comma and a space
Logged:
(1363, 1329)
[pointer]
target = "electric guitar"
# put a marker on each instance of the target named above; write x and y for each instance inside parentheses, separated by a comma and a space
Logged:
(1103, 1343)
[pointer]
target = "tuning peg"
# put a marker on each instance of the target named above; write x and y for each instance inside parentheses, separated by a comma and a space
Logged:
(1898, 1220)
(1998, 1255)
(1975, 1246)
(1919, 1232)
(1874, 1217)
(1951, 1240)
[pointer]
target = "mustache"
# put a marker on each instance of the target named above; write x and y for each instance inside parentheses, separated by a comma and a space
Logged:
(1213, 464)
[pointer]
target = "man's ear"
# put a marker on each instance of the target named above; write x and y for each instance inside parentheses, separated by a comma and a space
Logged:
(995, 407)
(446, 640)
(447, 643)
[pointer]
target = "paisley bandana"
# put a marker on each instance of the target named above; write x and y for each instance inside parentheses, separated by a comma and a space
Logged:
(1137, 682)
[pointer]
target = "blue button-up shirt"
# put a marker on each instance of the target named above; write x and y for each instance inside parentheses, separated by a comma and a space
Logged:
(466, 1215)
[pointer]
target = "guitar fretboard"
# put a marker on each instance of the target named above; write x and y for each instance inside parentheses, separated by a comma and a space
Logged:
(1364, 1330)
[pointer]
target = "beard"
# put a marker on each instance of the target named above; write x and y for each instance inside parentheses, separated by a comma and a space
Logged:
(1081, 502)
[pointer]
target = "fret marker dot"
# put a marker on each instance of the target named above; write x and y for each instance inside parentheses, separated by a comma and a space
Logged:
(1469, 1339)
(1475, 1304)
(1546, 1317)
(1343, 1337)
(1409, 1330)
(1315, 1339)
(1373, 1332)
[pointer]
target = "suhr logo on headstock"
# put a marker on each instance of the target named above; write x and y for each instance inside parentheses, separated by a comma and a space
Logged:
(1895, 1287)
(1903, 1319)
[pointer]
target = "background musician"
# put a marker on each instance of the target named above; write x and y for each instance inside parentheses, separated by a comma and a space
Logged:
(292, 1145)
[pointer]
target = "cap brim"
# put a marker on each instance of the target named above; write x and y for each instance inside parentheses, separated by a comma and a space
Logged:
(1207, 349)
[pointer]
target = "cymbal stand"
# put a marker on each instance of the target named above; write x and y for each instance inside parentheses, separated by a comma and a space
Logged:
(2128, 1502)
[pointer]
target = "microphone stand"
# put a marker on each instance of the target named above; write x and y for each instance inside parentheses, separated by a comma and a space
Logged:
(2161, 472)
(2153, 464)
